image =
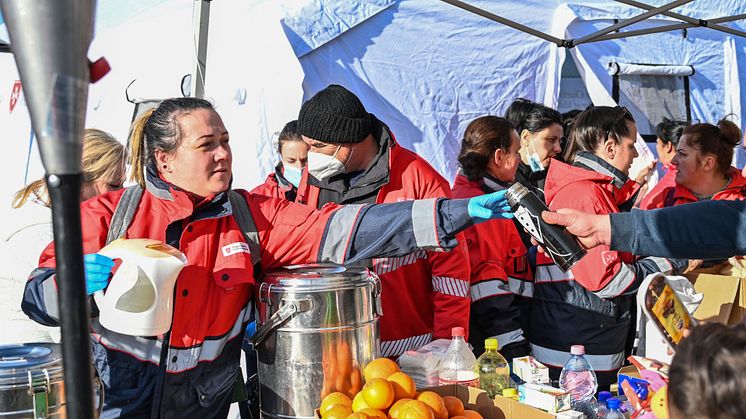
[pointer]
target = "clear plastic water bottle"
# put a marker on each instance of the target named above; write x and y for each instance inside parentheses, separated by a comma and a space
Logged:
(579, 379)
(457, 366)
(601, 409)
(492, 369)
(613, 405)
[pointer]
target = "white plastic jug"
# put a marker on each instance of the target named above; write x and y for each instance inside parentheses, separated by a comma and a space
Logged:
(139, 298)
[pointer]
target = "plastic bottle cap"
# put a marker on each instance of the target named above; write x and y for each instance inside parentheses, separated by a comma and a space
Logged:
(490, 343)
(457, 331)
(510, 392)
(613, 403)
(577, 350)
(603, 396)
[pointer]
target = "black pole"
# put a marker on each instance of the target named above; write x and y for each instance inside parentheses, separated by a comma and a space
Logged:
(64, 192)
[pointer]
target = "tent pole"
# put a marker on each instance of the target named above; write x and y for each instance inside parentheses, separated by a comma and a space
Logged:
(631, 21)
(201, 26)
(507, 22)
(711, 23)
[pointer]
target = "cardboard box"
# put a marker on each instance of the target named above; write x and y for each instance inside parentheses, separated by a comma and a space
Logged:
(499, 408)
(724, 297)
(472, 398)
(530, 370)
(544, 397)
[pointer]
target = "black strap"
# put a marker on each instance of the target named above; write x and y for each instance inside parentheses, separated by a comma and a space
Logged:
(124, 213)
(245, 221)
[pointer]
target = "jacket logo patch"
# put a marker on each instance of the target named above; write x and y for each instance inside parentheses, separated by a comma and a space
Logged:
(234, 248)
(609, 257)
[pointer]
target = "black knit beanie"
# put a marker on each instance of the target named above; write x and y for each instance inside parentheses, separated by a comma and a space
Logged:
(334, 115)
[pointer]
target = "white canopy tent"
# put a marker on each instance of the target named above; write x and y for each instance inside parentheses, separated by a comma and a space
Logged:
(425, 67)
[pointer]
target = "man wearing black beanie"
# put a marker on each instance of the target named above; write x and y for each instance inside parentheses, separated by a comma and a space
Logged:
(355, 159)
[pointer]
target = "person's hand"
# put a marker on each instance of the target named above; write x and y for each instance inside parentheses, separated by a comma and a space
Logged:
(693, 264)
(489, 207)
(97, 269)
(642, 175)
(591, 230)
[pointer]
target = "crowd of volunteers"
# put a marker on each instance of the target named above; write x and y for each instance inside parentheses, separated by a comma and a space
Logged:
(448, 251)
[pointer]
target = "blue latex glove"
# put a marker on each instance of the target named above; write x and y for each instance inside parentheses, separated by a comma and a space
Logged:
(489, 207)
(97, 271)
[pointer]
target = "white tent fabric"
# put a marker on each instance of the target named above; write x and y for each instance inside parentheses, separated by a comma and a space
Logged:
(424, 67)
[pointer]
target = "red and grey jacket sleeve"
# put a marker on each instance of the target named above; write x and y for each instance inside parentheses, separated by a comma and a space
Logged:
(493, 309)
(40, 295)
(605, 272)
(450, 278)
(293, 233)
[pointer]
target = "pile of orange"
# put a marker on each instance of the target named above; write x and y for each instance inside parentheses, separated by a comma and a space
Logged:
(389, 393)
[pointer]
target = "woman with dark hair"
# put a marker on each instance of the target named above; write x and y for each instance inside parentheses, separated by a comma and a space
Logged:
(593, 303)
(284, 181)
(500, 284)
(668, 133)
(182, 163)
(704, 172)
(540, 131)
(706, 378)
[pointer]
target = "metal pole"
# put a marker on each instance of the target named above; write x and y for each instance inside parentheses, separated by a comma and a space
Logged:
(630, 21)
(507, 22)
(201, 27)
(50, 41)
(709, 23)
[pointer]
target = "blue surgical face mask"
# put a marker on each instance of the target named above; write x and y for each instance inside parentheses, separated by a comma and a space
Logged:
(292, 174)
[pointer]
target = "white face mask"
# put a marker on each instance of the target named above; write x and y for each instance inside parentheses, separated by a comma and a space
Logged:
(322, 166)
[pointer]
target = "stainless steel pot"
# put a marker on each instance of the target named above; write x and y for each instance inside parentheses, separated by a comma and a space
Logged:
(31, 382)
(317, 327)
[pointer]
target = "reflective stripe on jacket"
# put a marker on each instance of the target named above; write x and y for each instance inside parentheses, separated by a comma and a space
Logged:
(592, 303)
(501, 279)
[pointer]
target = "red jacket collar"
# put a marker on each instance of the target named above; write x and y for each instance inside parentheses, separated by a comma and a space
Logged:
(561, 174)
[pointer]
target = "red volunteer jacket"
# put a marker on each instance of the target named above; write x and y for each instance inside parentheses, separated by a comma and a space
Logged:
(276, 186)
(424, 294)
(668, 180)
(592, 303)
(501, 278)
(677, 194)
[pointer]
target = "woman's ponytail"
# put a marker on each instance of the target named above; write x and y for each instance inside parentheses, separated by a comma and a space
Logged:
(138, 149)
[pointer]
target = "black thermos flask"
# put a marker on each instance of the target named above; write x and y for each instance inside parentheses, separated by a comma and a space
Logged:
(559, 244)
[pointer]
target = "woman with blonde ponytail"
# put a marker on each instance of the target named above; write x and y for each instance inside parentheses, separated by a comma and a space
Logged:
(103, 165)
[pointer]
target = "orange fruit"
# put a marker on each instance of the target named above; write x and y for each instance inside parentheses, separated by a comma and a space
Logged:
(337, 411)
(459, 417)
(472, 414)
(378, 393)
(396, 407)
(357, 415)
(374, 413)
(403, 384)
(334, 399)
(435, 402)
(415, 410)
(358, 403)
(453, 406)
(379, 368)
